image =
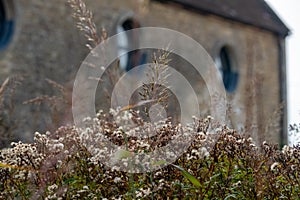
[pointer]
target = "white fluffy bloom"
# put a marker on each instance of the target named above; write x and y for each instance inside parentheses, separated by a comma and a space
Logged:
(117, 179)
(274, 166)
(85, 187)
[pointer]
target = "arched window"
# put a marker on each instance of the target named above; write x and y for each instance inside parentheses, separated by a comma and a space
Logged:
(128, 41)
(6, 22)
(229, 74)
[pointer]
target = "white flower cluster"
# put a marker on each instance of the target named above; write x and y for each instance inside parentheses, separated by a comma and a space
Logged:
(19, 163)
(287, 150)
(52, 192)
(21, 156)
(142, 193)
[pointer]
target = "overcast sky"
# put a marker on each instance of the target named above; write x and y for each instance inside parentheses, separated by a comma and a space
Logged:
(289, 12)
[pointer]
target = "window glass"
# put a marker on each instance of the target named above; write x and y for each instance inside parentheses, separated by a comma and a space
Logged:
(6, 24)
(225, 65)
(129, 41)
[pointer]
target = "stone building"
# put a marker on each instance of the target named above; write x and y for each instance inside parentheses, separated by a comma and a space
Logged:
(39, 41)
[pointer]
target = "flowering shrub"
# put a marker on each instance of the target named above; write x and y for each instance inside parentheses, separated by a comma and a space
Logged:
(294, 132)
(221, 165)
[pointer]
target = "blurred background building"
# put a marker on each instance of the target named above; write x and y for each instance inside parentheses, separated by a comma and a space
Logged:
(246, 39)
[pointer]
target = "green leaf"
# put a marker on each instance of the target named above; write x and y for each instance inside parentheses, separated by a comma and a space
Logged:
(158, 163)
(231, 196)
(120, 154)
(70, 180)
(189, 176)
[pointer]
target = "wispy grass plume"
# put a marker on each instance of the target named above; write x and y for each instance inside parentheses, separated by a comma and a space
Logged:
(85, 23)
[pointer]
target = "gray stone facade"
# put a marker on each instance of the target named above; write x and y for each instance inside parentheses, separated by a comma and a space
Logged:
(47, 45)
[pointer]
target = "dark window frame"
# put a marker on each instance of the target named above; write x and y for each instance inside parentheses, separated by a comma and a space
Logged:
(226, 66)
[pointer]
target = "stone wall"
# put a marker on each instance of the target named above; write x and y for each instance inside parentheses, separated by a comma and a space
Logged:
(46, 44)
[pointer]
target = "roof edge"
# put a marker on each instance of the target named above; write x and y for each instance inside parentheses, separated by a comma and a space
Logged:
(283, 33)
(276, 18)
